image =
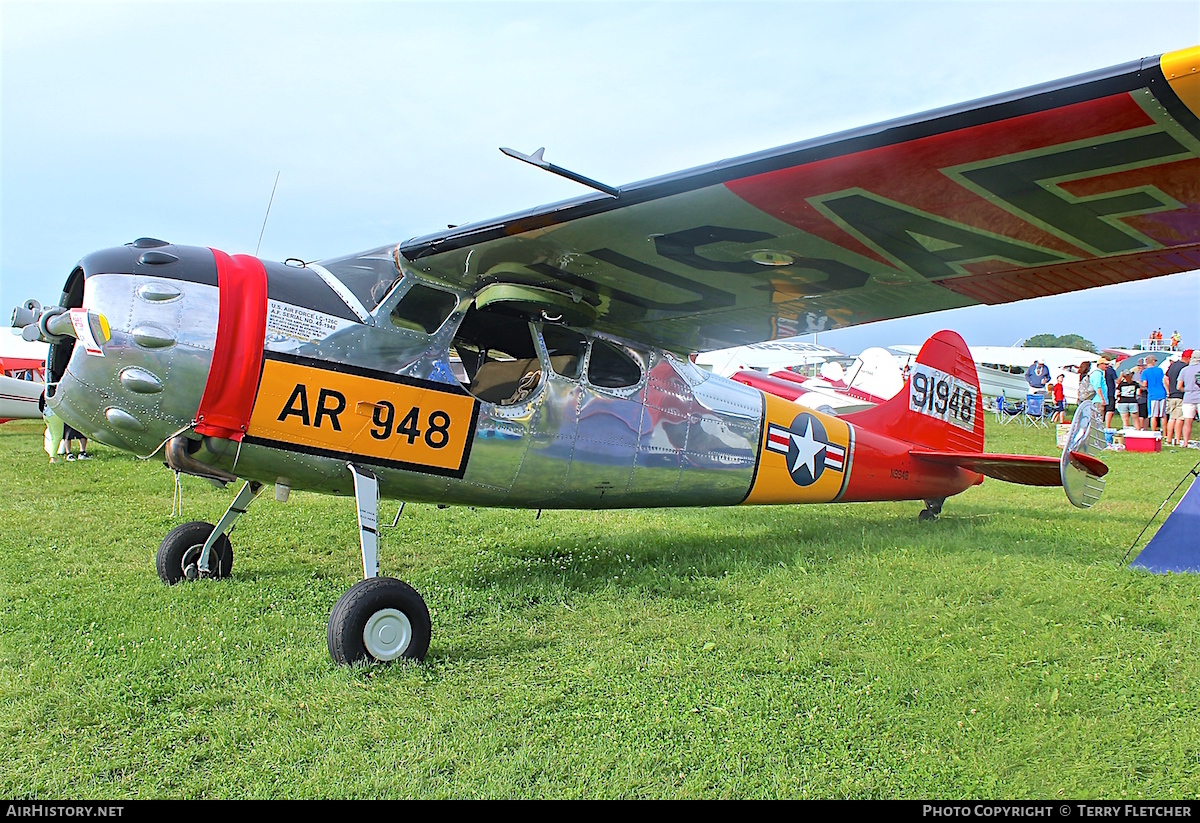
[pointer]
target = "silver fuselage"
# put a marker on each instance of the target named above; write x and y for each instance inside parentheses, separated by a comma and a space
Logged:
(678, 436)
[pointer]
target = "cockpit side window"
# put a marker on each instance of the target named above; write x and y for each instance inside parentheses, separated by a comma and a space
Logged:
(611, 367)
(423, 308)
(566, 349)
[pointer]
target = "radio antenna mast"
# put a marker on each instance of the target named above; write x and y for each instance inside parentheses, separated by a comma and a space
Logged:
(268, 214)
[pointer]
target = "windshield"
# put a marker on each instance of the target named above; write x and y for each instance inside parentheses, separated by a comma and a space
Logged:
(369, 275)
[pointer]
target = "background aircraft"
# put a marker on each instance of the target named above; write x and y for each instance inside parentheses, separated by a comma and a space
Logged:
(766, 357)
(572, 324)
(1002, 368)
(22, 372)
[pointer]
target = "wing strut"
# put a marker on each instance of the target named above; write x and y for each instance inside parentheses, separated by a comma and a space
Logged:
(535, 159)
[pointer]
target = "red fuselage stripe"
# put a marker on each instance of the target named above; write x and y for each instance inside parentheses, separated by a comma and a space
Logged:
(237, 357)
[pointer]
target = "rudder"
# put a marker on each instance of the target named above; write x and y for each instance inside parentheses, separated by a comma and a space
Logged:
(939, 406)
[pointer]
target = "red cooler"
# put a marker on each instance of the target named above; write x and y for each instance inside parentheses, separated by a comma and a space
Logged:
(1143, 441)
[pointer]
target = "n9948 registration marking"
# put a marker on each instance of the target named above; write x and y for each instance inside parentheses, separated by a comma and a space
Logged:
(937, 394)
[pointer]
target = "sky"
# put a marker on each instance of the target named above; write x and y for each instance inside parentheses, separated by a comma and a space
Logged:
(382, 119)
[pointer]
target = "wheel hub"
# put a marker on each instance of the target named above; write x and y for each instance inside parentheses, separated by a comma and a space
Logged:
(191, 570)
(387, 634)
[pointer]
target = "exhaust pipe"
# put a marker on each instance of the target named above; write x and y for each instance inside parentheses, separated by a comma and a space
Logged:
(180, 460)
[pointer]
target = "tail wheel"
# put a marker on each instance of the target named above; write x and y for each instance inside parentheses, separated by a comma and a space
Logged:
(380, 619)
(180, 551)
(933, 508)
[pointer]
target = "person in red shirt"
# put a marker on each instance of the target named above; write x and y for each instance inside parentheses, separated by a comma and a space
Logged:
(1060, 402)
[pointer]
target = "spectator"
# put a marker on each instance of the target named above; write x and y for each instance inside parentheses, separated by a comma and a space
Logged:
(1127, 391)
(1060, 401)
(1143, 410)
(72, 435)
(1174, 433)
(1189, 381)
(54, 429)
(1037, 376)
(1085, 391)
(1096, 381)
(1155, 383)
(1110, 392)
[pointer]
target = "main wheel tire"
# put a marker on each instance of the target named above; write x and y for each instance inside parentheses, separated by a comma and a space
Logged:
(926, 516)
(182, 546)
(380, 619)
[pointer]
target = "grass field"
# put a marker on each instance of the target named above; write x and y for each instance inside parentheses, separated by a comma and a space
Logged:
(822, 651)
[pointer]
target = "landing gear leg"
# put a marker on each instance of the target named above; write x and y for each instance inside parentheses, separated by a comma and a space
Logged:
(200, 550)
(380, 619)
(236, 509)
(933, 508)
(366, 495)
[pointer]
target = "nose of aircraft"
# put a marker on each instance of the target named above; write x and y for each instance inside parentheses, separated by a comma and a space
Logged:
(184, 327)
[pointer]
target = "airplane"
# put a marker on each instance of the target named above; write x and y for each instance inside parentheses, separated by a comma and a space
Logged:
(872, 376)
(774, 367)
(831, 378)
(573, 323)
(22, 374)
(869, 379)
(765, 357)
(1002, 368)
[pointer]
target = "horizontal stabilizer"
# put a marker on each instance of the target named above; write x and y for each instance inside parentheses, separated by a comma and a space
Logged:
(1028, 470)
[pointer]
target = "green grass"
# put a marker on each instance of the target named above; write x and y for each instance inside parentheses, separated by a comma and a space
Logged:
(821, 651)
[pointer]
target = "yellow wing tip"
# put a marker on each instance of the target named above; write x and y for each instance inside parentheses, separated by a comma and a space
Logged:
(1177, 64)
(1182, 70)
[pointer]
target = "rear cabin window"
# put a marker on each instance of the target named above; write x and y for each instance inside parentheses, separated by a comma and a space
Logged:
(423, 308)
(611, 367)
(566, 349)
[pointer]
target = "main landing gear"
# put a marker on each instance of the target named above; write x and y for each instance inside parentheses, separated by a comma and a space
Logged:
(380, 619)
(933, 508)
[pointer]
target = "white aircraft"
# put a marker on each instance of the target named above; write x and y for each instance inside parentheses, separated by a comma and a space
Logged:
(765, 357)
(1002, 368)
(22, 366)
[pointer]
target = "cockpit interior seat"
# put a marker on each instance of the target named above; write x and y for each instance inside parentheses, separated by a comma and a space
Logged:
(497, 380)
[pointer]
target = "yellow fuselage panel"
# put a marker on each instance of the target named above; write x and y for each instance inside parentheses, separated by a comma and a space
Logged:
(804, 456)
(395, 422)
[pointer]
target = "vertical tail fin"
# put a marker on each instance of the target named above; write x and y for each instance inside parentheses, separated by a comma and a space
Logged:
(939, 406)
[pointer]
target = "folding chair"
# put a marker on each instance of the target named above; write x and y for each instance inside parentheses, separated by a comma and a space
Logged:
(1007, 412)
(1035, 410)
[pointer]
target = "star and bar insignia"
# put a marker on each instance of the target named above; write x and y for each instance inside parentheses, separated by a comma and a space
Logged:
(808, 450)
